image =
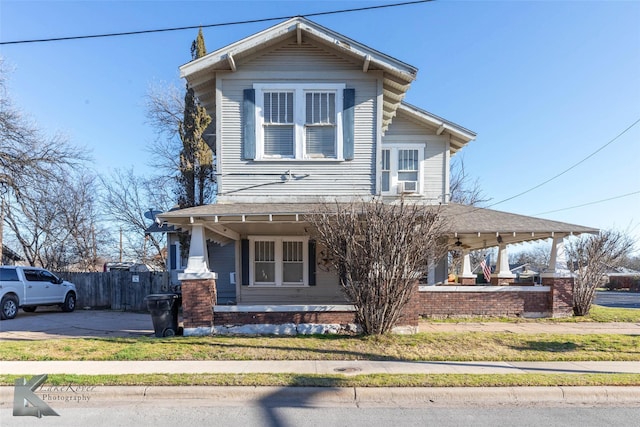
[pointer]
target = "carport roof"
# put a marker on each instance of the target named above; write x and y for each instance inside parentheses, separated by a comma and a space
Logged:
(475, 227)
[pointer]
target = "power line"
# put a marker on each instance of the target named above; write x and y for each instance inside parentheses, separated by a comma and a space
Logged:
(223, 24)
(569, 168)
(590, 203)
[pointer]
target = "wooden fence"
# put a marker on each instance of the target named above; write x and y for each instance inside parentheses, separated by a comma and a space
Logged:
(117, 290)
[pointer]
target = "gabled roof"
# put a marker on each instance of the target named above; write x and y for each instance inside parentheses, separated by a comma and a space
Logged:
(460, 136)
(397, 74)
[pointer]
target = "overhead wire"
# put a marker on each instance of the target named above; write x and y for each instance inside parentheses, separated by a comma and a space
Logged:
(589, 203)
(569, 168)
(223, 24)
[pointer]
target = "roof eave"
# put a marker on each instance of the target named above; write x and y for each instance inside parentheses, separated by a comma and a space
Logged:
(280, 31)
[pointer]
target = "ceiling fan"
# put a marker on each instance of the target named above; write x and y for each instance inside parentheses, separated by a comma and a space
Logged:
(459, 244)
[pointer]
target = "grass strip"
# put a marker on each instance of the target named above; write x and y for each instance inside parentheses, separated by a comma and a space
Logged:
(441, 346)
(598, 314)
(310, 380)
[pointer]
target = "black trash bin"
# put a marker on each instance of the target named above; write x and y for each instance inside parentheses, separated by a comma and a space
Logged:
(164, 313)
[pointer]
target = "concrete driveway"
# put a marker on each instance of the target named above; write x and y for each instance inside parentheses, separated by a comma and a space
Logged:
(51, 323)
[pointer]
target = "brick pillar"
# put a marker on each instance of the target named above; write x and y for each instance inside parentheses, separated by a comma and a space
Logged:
(467, 281)
(502, 281)
(561, 298)
(198, 299)
(410, 316)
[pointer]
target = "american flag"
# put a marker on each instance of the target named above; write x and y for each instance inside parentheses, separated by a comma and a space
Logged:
(486, 268)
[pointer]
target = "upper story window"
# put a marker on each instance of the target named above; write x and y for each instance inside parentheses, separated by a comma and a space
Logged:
(298, 122)
(401, 169)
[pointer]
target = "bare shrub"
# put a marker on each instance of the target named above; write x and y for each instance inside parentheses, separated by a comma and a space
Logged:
(589, 258)
(380, 251)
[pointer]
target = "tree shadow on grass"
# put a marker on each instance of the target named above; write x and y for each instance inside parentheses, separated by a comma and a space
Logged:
(548, 346)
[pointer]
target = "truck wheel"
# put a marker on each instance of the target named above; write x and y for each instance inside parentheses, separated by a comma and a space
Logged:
(69, 303)
(8, 307)
(30, 309)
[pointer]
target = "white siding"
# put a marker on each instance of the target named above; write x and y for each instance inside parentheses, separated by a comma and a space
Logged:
(244, 180)
(222, 261)
(327, 291)
(436, 153)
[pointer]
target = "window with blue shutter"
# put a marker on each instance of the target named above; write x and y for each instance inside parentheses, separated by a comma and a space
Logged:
(300, 121)
(249, 124)
(348, 125)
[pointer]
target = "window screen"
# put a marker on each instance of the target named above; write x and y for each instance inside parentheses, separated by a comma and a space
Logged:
(265, 262)
(320, 124)
(292, 262)
(278, 124)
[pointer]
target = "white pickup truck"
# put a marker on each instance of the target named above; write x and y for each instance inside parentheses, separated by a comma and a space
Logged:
(29, 287)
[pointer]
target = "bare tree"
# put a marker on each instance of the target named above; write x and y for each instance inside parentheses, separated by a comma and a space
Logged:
(536, 256)
(462, 188)
(56, 224)
(184, 149)
(126, 199)
(32, 166)
(26, 155)
(380, 251)
(589, 258)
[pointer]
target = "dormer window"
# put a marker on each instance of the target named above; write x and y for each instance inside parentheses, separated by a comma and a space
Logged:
(298, 122)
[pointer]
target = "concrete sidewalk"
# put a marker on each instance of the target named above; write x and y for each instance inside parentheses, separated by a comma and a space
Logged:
(307, 367)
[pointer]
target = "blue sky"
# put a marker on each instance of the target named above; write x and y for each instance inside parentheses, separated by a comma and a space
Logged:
(544, 84)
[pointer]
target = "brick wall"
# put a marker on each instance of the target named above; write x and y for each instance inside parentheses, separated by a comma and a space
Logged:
(411, 312)
(513, 303)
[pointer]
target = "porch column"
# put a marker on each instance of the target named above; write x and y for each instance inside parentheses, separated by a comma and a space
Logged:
(559, 279)
(503, 276)
(557, 260)
(198, 286)
(467, 277)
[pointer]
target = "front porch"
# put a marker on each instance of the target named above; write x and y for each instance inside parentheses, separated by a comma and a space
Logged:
(315, 304)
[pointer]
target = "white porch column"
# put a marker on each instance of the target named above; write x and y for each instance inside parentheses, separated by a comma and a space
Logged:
(557, 260)
(502, 265)
(467, 277)
(198, 263)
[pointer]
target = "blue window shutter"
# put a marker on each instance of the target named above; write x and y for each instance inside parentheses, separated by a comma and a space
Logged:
(312, 262)
(249, 124)
(244, 259)
(349, 102)
(173, 249)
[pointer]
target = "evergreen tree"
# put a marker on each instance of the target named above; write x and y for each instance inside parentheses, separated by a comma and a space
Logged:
(196, 171)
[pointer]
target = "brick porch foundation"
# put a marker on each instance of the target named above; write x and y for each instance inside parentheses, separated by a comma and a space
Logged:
(198, 299)
(561, 297)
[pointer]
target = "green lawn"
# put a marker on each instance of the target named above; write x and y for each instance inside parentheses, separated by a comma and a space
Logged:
(450, 346)
(466, 346)
(597, 314)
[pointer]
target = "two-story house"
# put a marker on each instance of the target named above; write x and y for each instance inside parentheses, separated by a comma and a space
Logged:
(303, 116)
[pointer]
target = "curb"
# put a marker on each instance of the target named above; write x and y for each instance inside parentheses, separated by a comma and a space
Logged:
(347, 396)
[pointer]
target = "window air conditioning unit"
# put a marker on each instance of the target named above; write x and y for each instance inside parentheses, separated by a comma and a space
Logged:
(407, 187)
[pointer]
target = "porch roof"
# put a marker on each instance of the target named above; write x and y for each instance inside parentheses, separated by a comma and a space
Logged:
(474, 227)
